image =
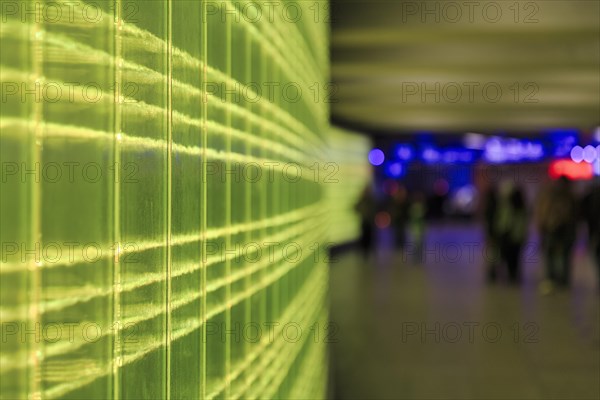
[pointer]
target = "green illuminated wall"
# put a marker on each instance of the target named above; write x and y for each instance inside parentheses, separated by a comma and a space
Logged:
(164, 209)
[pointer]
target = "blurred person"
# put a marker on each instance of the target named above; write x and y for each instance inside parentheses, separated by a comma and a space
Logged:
(511, 228)
(591, 216)
(398, 212)
(435, 206)
(365, 207)
(556, 221)
(490, 209)
(416, 222)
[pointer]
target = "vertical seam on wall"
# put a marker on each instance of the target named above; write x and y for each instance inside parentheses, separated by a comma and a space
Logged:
(169, 194)
(116, 359)
(36, 229)
(203, 196)
(248, 192)
(228, 202)
(264, 186)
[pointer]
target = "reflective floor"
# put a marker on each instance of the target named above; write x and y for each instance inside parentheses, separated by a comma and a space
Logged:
(436, 329)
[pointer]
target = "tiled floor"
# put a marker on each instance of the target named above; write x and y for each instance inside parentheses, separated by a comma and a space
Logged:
(437, 330)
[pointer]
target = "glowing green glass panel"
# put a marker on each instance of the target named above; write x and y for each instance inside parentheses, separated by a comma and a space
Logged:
(164, 207)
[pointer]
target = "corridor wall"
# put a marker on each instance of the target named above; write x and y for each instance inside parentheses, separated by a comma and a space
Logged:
(350, 173)
(164, 218)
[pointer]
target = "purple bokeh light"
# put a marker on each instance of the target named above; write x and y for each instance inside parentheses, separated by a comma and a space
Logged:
(376, 157)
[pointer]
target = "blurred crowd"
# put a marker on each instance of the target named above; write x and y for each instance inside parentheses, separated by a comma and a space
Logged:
(556, 213)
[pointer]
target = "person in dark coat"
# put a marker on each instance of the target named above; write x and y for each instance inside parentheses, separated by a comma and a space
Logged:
(591, 215)
(399, 216)
(511, 226)
(365, 207)
(557, 222)
(490, 208)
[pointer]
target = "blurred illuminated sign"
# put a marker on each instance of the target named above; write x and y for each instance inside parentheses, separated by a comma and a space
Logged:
(570, 169)
(498, 150)
(555, 144)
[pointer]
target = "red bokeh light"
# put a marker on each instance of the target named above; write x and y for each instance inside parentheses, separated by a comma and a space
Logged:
(571, 170)
(383, 219)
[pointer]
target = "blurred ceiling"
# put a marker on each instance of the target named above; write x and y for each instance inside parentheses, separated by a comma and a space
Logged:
(455, 66)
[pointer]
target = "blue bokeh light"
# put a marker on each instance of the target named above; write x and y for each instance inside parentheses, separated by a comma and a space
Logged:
(376, 157)
(404, 152)
(430, 155)
(395, 170)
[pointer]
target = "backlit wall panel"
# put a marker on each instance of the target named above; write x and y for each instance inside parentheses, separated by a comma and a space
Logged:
(164, 209)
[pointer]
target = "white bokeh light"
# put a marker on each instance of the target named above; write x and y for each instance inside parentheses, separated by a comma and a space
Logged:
(577, 154)
(589, 154)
